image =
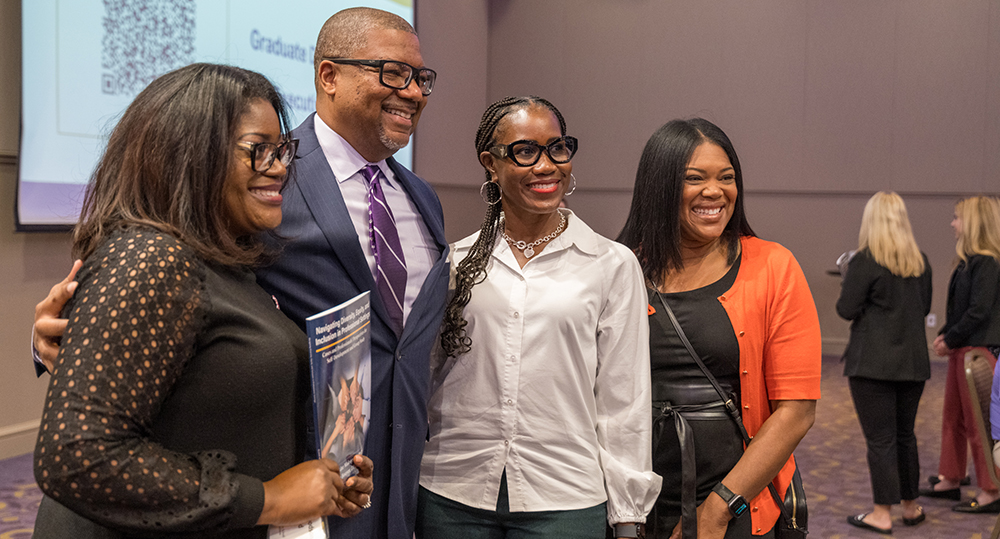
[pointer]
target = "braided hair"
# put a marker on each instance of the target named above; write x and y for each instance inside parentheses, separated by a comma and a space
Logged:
(472, 269)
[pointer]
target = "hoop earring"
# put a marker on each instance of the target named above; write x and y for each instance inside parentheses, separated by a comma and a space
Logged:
(484, 192)
(572, 188)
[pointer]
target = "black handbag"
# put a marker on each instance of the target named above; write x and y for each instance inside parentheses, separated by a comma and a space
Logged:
(793, 520)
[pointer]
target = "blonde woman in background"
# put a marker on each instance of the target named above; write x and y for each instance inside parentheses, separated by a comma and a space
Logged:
(973, 320)
(886, 293)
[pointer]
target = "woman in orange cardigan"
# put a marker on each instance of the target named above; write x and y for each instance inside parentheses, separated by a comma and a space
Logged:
(747, 311)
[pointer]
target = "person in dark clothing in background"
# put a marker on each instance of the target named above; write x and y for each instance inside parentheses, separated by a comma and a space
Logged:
(886, 293)
(973, 320)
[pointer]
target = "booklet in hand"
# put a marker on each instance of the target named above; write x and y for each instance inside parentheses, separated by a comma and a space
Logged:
(340, 357)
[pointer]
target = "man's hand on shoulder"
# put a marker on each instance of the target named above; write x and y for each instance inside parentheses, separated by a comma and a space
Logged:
(49, 327)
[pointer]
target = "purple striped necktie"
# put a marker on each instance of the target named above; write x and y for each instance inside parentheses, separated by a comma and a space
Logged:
(390, 264)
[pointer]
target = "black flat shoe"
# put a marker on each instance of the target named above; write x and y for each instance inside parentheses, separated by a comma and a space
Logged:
(972, 506)
(933, 480)
(950, 494)
(859, 521)
(915, 520)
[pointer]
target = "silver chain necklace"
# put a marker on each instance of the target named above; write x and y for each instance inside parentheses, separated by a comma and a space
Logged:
(529, 248)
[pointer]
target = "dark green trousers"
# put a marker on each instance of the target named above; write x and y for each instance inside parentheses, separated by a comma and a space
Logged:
(441, 518)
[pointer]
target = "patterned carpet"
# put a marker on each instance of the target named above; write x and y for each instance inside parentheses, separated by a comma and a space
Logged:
(835, 472)
(832, 460)
(19, 497)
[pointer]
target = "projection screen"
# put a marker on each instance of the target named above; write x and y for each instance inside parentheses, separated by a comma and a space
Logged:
(84, 61)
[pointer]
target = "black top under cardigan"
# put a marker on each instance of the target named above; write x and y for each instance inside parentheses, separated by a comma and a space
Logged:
(973, 316)
(887, 313)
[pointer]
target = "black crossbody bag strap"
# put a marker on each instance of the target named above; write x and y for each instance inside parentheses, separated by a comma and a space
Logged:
(734, 412)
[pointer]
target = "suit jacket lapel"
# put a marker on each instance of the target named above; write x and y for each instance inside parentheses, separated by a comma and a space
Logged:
(313, 177)
(407, 179)
(432, 217)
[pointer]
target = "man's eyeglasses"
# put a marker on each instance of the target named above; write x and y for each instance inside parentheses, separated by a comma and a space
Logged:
(263, 154)
(525, 153)
(396, 75)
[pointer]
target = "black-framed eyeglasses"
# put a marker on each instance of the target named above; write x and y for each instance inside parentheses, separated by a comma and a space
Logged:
(525, 153)
(395, 75)
(263, 154)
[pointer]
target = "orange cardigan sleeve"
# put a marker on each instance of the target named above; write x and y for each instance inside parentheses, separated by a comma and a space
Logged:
(774, 316)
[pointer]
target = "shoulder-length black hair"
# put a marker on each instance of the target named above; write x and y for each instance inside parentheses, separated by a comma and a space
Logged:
(652, 229)
(168, 158)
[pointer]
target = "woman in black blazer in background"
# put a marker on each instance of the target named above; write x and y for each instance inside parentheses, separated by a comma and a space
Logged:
(886, 293)
(973, 320)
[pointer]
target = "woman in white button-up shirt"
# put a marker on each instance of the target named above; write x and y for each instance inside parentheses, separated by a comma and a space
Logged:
(539, 415)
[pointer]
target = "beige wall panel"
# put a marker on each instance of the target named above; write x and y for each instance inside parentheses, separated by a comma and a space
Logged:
(30, 264)
(453, 42)
(613, 89)
(10, 81)
(765, 68)
(848, 97)
(463, 210)
(991, 140)
(528, 51)
(821, 96)
(939, 116)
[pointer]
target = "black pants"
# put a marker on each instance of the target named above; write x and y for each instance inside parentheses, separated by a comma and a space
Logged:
(887, 411)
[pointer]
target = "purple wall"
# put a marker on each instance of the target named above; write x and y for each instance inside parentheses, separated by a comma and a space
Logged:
(826, 102)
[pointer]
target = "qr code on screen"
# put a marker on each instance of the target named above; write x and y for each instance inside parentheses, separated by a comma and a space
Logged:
(144, 39)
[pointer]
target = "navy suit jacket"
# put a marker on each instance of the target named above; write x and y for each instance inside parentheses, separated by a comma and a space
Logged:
(320, 265)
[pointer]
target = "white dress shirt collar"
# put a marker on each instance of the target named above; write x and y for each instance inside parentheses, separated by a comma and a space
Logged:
(344, 160)
(577, 233)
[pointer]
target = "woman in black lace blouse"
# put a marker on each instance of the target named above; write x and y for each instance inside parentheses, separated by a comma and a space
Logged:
(178, 402)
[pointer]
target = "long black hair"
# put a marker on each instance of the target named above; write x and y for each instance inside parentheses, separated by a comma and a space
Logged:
(168, 158)
(652, 229)
(472, 269)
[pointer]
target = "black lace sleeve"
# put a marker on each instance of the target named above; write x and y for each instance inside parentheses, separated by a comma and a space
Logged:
(133, 323)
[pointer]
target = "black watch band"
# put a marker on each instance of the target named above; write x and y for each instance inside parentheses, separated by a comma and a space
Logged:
(632, 531)
(737, 504)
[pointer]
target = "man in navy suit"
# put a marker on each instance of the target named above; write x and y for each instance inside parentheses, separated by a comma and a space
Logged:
(326, 256)
(364, 114)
